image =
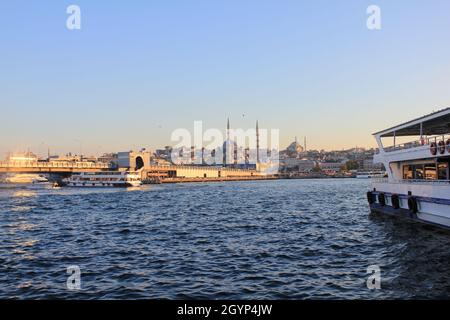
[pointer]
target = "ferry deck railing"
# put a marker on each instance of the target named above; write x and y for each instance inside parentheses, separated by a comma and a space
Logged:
(418, 143)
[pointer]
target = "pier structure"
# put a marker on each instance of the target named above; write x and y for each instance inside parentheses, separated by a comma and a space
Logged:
(174, 174)
(195, 172)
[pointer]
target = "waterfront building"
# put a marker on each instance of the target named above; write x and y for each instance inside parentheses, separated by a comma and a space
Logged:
(22, 157)
(331, 166)
(298, 164)
(108, 158)
(134, 160)
(182, 172)
(72, 158)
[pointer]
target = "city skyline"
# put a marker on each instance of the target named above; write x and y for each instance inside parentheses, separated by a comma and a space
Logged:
(44, 150)
(134, 74)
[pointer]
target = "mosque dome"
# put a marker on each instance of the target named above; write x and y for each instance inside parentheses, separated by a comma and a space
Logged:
(294, 148)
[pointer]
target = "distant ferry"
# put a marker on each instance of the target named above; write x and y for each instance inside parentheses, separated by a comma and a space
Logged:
(370, 174)
(418, 182)
(105, 179)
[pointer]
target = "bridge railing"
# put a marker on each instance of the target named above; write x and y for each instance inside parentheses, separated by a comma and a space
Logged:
(55, 164)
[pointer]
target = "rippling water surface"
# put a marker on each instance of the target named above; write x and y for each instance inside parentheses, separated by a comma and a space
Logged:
(292, 239)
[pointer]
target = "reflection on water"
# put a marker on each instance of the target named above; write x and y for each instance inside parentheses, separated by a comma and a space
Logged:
(21, 209)
(28, 243)
(24, 193)
(268, 239)
(25, 285)
(26, 226)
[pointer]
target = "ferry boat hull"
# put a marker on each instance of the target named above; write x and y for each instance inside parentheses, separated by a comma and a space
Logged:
(103, 185)
(430, 210)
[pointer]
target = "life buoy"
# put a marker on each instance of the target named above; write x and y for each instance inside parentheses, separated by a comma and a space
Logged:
(433, 148)
(441, 147)
(370, 197)
(395, 199)
(382, 199)
(412, 204)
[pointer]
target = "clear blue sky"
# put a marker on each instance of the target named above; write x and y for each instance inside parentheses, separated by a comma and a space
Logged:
(137, 70)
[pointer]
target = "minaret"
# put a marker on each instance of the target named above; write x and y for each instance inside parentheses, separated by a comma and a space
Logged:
(226, 145)
(257, 142)
(305, 144)
(203, 155)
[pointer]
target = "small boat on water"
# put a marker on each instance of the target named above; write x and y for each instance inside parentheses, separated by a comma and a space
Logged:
(40, 179)
(370, 174)
(106, 179)
(26, 178)
(418, 182)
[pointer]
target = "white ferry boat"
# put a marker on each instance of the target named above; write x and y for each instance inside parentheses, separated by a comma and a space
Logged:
(105, 179)
(418, 182)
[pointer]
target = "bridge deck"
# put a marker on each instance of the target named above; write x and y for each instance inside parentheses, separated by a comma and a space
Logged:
(50, 167)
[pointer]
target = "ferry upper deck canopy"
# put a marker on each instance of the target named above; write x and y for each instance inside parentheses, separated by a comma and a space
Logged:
(436, 123)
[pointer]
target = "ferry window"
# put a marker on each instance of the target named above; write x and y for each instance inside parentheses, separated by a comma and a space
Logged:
(430, 171)
(418, 172)
(407, 172)
(442, 171)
